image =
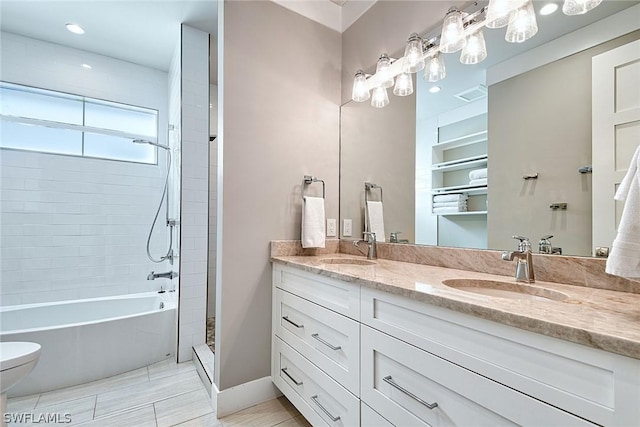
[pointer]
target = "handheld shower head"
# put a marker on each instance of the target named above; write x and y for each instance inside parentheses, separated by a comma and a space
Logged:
(155, 144)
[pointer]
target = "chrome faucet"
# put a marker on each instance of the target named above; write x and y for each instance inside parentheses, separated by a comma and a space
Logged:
(168, 275)
(524, 260)
(545, 247)
(393, 237)
(371, 243)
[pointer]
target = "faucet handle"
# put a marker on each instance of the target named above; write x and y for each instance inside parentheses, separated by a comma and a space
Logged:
(371, 235)
(524, 243)
(547, 237)
(393, 237)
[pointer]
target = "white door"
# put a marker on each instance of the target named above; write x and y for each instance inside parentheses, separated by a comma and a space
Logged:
(615, 133)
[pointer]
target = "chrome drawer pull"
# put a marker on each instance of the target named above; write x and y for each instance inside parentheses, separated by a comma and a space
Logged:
(284, 371)
(390, 381)
(331, 346)
(315, 400)
(292, 322)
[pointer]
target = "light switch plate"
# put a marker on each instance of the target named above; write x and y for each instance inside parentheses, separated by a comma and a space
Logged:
(331, 227)
(347, 228)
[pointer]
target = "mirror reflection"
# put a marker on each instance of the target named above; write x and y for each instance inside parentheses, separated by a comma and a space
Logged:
(503, 147)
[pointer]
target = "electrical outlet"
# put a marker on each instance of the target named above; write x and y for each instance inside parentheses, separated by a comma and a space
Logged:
(347, 226)
(331, 227)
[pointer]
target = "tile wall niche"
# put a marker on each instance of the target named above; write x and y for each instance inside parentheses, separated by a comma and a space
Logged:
(76, 227)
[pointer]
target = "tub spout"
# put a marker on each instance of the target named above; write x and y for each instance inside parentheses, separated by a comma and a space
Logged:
(168, 275)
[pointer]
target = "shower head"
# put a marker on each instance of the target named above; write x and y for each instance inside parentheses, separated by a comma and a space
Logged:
(155, 144)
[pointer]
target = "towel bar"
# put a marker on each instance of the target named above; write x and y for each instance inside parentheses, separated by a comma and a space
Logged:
(308, 180)
(368, 186)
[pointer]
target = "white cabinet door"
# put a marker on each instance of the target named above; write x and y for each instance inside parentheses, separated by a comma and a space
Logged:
(615, 132)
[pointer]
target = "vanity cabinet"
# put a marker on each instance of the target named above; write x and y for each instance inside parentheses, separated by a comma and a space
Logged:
(420, 364)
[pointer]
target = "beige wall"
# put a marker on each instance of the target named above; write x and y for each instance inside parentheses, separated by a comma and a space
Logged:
(281, 86)
(378, 145)
(384, 28)
(540, 121)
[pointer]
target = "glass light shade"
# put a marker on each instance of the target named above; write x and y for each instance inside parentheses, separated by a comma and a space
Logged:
(383, 72)
(452, 38)
(475, 50)
(499, 10)
(360, 92)
(379, 98)
(522, 24)
(413, 57)
(435, 69)
(578, 7)
(404, 85)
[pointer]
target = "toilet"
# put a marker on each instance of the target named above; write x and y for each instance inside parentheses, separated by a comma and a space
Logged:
(17, 360)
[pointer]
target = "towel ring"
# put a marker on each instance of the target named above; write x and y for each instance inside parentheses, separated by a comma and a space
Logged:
(368, 186)
(308, 180)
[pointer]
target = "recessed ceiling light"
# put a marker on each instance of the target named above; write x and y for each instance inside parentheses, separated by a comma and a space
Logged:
(87, 66)
(548, 9)
(434, 89)
(75, 28)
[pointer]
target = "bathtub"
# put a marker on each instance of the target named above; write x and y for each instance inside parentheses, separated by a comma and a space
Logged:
(90, 339)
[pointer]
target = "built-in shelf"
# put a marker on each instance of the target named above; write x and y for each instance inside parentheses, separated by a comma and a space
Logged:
(462, 213)
(459, 164)
(472, 138)
(469, 189)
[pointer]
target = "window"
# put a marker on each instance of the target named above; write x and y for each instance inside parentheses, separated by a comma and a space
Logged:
(54, 122)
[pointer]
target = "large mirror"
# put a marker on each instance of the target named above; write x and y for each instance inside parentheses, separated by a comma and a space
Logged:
(524, 114)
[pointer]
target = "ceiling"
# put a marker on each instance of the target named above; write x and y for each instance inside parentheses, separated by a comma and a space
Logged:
(143, 32)
(335, 14)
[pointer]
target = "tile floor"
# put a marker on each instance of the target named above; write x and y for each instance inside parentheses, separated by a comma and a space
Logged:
(159, 395)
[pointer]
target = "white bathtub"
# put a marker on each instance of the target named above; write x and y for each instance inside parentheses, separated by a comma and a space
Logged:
(86, 340)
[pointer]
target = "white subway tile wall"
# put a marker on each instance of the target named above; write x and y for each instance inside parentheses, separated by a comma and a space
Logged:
(195, 190)
(74, 227)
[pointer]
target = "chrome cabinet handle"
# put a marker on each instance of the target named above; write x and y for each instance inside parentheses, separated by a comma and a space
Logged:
(390, 381)
(328, 344)
(315, 400)
(284, 371)
(292, 322)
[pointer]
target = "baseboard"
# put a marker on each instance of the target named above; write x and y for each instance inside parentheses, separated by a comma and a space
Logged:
(242, 396)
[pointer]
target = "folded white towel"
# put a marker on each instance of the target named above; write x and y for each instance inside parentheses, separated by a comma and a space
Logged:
(478, 174)
(449, 197)
(313, 223)
(450, 204)
(624, 259)
(376, 219)
(481, 181)
(450, 209)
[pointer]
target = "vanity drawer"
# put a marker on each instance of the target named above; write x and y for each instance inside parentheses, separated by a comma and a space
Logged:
(329, 340)
(401, 381)
(319, 398)
(370, 418)
(341, 297)
(578, 379)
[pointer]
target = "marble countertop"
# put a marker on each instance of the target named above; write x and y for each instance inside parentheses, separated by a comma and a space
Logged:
(604, 319)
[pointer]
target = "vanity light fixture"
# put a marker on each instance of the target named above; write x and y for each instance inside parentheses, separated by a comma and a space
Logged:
(404, 85)
(522, 24)
(435, 69)
(548, 9)
(75, 28)
(379, 98)
(360, 92)
(383, 71)
(475, 50)
(452, 38)
(413, 56)
(499, 10)
(579, 7)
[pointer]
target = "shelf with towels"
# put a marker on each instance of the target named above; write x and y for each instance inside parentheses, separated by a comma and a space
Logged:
(479, 161)
(469, 189)
(461, 213)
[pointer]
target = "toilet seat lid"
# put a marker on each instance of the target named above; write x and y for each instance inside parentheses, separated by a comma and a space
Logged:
(16, 353)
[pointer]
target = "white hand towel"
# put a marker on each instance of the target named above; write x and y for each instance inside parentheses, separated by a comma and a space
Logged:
(624, 259)
(450, 209)
(450, 204)
(478, 174)
(450, 197)
(313, 222)
(481, 181)
(376, 219)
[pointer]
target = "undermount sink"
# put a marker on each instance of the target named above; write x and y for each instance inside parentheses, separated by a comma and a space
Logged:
(350, 261)
(511, 290)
